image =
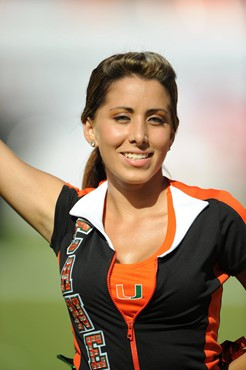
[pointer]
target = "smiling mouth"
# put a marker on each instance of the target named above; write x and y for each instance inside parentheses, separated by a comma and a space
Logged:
(137, 156)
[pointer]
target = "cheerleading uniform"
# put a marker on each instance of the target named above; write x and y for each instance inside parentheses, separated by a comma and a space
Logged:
(161, 313)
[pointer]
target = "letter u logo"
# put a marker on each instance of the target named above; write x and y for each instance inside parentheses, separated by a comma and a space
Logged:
(121, 294)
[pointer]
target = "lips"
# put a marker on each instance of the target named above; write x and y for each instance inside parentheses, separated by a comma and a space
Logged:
(137, 156)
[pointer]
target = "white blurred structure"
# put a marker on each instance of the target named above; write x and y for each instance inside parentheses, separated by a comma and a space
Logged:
(49, 48)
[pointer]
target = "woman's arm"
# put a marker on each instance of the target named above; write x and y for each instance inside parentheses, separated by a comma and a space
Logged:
(239, 363)
(32, 193)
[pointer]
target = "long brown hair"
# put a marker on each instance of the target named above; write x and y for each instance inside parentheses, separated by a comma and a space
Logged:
(147, 65)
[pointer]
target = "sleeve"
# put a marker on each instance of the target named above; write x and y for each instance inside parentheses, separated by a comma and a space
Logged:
(227, 198)
(63, 222)
(232, 245)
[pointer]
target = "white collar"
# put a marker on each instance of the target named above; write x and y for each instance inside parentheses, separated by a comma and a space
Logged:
(186, 208)
(91, 207)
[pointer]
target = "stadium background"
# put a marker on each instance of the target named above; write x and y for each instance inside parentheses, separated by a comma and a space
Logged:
(47, 51)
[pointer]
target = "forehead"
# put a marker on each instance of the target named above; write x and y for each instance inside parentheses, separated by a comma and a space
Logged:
(136, 89)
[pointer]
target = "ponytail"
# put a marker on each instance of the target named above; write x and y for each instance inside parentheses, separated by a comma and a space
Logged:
(94, 170)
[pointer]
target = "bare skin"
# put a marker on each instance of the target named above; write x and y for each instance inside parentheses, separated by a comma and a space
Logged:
(31, 192)
(239, 363)
(136, 231)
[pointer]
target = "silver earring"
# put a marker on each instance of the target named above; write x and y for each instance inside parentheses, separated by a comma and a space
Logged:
(93, 144)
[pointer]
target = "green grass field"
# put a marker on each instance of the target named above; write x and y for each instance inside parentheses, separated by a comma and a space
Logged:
(34, 322)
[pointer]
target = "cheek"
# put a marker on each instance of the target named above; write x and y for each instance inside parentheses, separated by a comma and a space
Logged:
(161, 141)
(108, 135)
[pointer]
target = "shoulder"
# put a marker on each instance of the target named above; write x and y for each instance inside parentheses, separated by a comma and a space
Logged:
(70, 195)
(224, 198)
(63, 222)
(79, 192)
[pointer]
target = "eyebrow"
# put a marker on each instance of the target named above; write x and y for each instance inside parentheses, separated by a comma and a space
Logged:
(151, 111)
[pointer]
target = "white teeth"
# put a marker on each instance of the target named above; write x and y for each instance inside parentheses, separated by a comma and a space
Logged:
(136, 156)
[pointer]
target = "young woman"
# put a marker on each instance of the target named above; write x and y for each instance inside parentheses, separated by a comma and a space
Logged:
(142, 258)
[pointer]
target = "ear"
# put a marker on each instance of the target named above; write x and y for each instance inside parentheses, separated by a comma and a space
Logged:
(89, 130)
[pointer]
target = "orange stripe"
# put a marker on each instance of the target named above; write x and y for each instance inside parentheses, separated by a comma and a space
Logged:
(212, 349)
(171, 226)
(221, 275)
(80, 192)
(227, 198)
(220, 195)
(134, 352)
(130, 324)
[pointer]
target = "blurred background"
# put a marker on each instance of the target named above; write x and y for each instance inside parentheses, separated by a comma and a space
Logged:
(48, 49)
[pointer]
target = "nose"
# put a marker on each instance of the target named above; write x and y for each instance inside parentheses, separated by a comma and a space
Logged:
(138, 132)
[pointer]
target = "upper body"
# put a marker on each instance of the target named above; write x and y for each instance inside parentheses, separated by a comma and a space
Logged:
(131, 119)
(163, 309)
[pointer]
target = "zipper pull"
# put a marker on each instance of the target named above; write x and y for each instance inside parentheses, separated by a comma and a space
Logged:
(130, 330)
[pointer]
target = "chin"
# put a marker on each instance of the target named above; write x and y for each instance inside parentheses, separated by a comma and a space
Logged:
(136, 180)
(134, 177)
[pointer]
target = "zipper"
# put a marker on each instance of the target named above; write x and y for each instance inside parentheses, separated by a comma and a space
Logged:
(130, 330)
(133, 344)
(130, 323)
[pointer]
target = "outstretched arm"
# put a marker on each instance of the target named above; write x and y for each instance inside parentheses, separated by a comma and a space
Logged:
(31, 192)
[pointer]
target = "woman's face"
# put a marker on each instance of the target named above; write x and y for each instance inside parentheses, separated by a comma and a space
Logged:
(133, 130)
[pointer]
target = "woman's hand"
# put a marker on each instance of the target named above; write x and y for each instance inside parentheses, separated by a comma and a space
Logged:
(32, 193)
(239, 363)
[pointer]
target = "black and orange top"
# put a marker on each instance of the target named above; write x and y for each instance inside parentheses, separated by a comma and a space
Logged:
(132, 298)
(162, 313)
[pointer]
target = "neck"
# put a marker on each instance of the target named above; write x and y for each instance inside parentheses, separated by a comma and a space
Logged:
(136, 199)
